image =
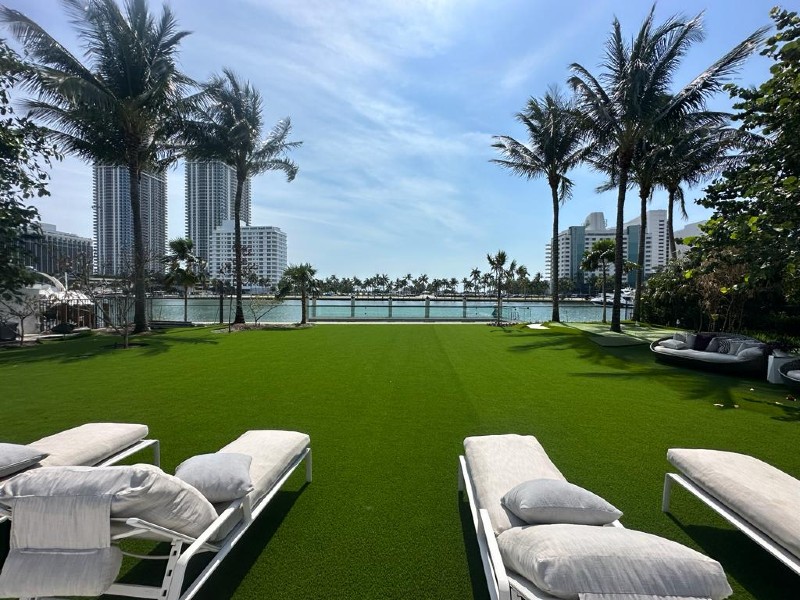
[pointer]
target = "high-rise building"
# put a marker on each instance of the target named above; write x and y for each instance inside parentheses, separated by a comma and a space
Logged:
(56, 251)
(210, 196)
(574, 241)
(264, 250)
(113, 219)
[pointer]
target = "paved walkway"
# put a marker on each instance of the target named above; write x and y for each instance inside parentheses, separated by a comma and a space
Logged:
(631, 334)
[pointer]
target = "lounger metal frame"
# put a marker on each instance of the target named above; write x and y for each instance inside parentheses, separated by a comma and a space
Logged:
(747, 528)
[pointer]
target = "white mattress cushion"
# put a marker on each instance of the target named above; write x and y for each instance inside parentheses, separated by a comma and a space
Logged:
(765, 496)
(568, 560)
(272, 451)
(498, 463)
(88, 444)
(142, 491)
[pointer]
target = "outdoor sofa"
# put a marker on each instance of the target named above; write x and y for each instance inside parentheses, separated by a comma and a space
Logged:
(68, 522)
(790, 373)
(724, 352)
(755, 497)
(576, 549)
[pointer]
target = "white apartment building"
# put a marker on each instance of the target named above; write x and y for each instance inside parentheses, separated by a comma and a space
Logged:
(265, 250)
(210, 196)
(55, 251)
(113, 219)
(574, 241)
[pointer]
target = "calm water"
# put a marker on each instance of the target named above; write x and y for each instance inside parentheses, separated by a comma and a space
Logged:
(206, 310)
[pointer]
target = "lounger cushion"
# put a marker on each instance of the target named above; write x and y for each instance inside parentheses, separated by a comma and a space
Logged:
(89, 444)
(220, 477)
(142, 491)
(272, 451)
(567, 560)
(16, 457)
(497, 463)
(557, 501)
(765, 496)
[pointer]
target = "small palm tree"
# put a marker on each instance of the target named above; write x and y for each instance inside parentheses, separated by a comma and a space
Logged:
(497, 264)
(599, 257)
(119, 107)
(299, 279)
(183, 269)
(555, 146)
(226, 126)
(626, 104)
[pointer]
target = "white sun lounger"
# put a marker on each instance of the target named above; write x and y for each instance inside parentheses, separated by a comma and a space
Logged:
(275, 456)
(95, 445)
(755, 497)
(493, 465)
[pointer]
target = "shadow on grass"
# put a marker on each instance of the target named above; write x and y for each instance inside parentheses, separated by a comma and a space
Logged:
(477, 578)
(758, 572)
(235, 567)
(85, 348)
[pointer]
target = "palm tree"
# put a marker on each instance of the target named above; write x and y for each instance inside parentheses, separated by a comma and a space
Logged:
(182, 269)
(626, 104)
(118, 108)
(555, 145)
(475, 275)
(599, 257)
(226, 126)
(497, 264)
(298, 278)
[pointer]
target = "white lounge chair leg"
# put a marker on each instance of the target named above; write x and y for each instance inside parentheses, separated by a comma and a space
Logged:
(308, 466)
(667, 492)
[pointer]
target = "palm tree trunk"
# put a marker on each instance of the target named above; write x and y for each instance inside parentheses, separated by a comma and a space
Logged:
(303, 306)
(185, 304)
(139, 291)
(619, 259)
(237, 245)
(644, 194)
(605, 270)
(556, 317)
(673, 249)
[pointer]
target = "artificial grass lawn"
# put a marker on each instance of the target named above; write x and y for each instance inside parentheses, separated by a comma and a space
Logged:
(387, 408)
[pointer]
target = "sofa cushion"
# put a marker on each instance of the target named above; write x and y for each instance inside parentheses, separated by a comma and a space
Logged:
(497, 463)
(733, 346)
(558, 501)
(765, 496)
(567, 560)
(702, 356)
(16, 457)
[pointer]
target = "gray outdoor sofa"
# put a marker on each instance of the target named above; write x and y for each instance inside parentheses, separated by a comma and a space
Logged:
(727, 352)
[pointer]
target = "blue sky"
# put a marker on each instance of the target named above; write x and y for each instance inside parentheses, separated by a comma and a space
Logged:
(396, 102)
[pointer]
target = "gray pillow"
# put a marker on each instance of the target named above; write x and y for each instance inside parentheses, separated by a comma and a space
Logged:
(220, 477)
(690, 339)
(713, 345)
(556, 501)
(752, 352)
(679, 336)
(15, 458)
(674, 344)
(568, 560)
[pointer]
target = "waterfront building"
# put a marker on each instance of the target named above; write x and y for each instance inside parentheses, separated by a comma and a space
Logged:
(210, 196)
(574, 241)
(54, 251)
(113, 219)
(264, 250)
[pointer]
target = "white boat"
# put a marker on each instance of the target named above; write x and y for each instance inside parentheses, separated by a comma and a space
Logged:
(626, 299)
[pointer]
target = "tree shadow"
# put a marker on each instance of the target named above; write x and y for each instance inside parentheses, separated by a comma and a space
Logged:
(229, 575)
(758, 572)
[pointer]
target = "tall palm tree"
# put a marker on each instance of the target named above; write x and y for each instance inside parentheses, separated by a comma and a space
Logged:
(226, 126)
(298, 278)
(497, 264)
(183, 269)
(475, 275)
(599, 257)
(625, 105)
(555, 146)
(118, 107)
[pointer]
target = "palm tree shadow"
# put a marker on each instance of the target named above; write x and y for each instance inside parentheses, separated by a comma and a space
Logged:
(763, 576)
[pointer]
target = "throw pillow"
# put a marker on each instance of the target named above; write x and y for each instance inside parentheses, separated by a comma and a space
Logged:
(750, 352)
(748, 344)
(15, 458)
(681, 337)
(702, 340)
(723, 347)
(674, 344)
(568, 560)
(690, 339)
(713, 345)
(734, 346)
(557, 501)
(220, 477)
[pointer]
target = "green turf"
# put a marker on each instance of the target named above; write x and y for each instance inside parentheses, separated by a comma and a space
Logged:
(387, 408)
